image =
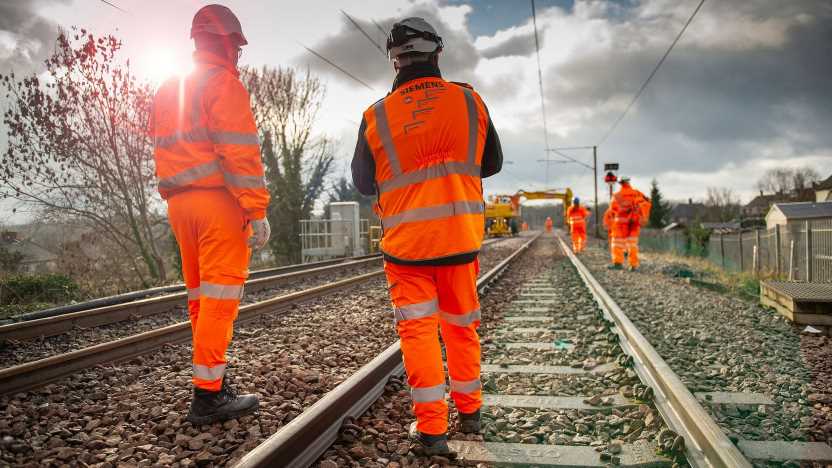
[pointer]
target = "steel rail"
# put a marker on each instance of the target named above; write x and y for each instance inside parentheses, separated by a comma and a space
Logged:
(37, 373)
(705, 443)
(144, 293)
(59, 324)
(302, 441)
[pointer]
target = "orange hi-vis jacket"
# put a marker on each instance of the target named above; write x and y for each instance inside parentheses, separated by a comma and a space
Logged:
(577, 215)
(205, 136)
(630, 207)
(427, 139)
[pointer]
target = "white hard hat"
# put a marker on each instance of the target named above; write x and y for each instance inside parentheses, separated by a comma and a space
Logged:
(412, 35)
(219, 20)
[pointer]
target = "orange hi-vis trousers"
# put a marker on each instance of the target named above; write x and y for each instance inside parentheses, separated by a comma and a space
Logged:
(212, 233)
(578, 237)
(625, 238)
(427, 299)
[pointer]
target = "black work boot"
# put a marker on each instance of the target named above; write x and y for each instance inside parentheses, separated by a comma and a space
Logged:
(208, 407)
(469, 423)
(615, 266)
(429, 445)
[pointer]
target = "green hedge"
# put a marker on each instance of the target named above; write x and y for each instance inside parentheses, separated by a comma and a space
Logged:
(27, 289)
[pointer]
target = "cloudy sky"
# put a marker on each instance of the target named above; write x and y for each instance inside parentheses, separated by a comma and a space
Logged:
(748, 87)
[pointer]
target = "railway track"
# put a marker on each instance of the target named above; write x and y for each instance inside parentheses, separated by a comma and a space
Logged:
(292, 356)
(568, 381)
(30, 374)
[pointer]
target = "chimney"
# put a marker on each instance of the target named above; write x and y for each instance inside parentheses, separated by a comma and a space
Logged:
(690, 201)
(761, 193)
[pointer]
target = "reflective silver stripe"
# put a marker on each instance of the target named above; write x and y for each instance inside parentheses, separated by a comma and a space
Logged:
(461, 320)
(195, 135)
(235, 138)
(415, 311)
(386, 137)
(244, 181)
(427, 173)
(193, 294)
(473, 124)
(221, 291)
(428, 213)
(465, 386)
(191, 175)
(428, 394)
(209, 373)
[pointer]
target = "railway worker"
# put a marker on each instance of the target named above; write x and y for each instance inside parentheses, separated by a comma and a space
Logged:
(549, 224)
(629, 209)
(209, 169)
(577, 215)
(423, 149)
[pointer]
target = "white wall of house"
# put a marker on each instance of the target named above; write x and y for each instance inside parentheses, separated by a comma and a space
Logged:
(823, 195)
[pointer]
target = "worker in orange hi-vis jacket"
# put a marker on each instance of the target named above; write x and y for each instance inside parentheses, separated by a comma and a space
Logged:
(549, 224)
(577, 214)
(424, 150)
(629, 209)
(208, 165)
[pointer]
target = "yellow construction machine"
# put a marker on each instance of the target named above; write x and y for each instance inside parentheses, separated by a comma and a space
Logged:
(503, 213)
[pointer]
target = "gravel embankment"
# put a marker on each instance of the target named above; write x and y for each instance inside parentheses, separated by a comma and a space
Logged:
(717, 342)
(133, 413)
(383, 440)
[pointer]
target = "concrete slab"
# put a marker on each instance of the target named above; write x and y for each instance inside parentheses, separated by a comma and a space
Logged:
(534, 301)
(537, 294)
(734, 398)
(528, 318)
(782, 450)
(553, 402)
(547, 346)
(641, 454)
(529, 310)
(540, 369)
(557, 331)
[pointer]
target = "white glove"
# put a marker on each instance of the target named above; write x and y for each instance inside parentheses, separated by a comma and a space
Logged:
(260, 232)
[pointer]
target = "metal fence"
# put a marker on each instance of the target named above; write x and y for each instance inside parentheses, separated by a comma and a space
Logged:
(799, 251)
(329, 238)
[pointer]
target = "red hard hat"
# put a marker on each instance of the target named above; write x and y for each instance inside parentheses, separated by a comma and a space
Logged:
(219, 20)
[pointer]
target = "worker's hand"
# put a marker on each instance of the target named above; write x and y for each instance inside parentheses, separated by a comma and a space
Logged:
(260, 232)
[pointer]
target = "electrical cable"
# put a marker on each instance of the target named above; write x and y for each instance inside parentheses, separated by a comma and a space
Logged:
(114, 6)
(334, 65)
(358, 26)
(540, 82)
(653, 73)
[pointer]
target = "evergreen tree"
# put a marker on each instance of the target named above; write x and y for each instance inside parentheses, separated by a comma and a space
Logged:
(660, 212)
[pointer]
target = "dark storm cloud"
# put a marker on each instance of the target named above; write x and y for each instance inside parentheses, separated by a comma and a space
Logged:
(709, 103)
(519, 45)
(32, 35)
(350, 49)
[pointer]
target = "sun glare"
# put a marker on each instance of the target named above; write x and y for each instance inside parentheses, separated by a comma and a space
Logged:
(160, 64)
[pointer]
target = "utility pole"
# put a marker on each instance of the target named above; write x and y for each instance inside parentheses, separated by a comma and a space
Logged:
(595, 179)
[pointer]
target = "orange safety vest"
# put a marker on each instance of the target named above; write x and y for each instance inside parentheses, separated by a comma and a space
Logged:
(577, 215)
(427, 139)
(629, 205)
(205, 136)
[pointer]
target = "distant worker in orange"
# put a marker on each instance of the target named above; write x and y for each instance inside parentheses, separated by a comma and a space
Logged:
(577, 214)
(549, 224)
(423, 149)
(525, 226)
(208, 165)
(628, 210)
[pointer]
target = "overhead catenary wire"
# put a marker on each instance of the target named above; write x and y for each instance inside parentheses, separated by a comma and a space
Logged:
(358, 26)
(106, 2)
(652, 74)
(337, 67)
(540, 82)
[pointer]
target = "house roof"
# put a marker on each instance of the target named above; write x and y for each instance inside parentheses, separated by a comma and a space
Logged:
(824, 184)
(764, 201)
(687, 210)
(805, 210)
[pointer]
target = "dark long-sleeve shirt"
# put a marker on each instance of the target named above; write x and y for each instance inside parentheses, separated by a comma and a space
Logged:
(364, 166)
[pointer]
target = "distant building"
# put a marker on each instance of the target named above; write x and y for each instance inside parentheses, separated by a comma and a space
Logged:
(791, 214)
(687, 213)
(722, 227)
(35, 258)
(823, 190)
(761, 204)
